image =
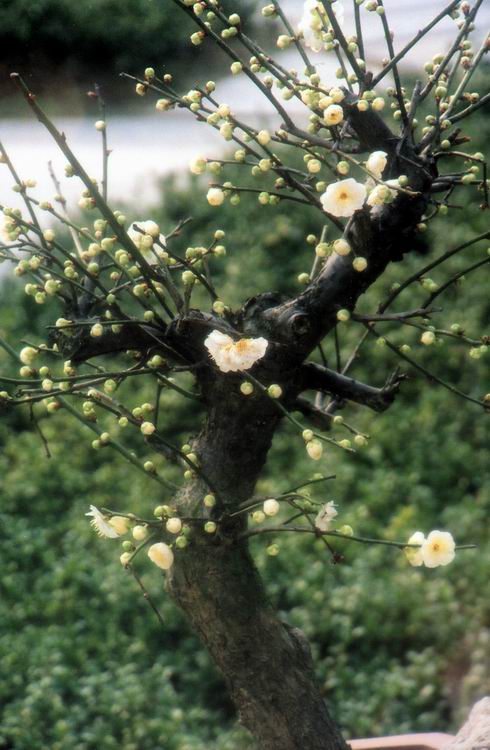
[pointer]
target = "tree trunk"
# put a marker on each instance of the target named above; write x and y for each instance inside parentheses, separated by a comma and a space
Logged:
(266, 664)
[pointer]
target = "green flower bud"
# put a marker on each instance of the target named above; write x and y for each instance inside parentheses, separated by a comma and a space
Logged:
(274, 391)
(209, 501)
(346, 530)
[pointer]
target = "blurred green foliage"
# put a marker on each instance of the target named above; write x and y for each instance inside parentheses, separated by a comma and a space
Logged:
(62, 44)
(85, 664)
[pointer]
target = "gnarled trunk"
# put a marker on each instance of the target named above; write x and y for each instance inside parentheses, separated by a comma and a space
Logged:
(266, 664)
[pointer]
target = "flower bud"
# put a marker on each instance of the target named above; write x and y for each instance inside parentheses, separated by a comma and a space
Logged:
(314, 449)
(263, 137)
(161, 555)
(174, 525)
(341, 247)
(359, 264)
(97, 330)
(27, 355)
(428, 338)
(215, 197)
(343, 315)
(271, 507)
(283, 41)
(346, 530)
(209, 501)
(274, 391)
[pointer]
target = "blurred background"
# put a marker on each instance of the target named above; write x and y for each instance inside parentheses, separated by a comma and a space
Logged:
(84, 664)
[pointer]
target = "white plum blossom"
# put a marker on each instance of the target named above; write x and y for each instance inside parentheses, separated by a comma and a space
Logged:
(325, 516)
(343, 198)
(161, 555)
(101, 525)
(414, 554)
(233, 356)
(311, 26)
(376, 163)
(438, 549)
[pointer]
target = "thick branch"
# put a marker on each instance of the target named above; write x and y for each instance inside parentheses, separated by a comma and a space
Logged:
(318, 378)
(381, 235)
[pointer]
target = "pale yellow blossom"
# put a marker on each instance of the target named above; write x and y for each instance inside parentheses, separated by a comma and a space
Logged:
(333, 115)
(414, 554)
(376, 163)
(438, 549)
(161, 555)
(343, 198)
(233, 356)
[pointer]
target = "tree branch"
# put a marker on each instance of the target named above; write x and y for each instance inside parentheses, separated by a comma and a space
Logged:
(318, 378)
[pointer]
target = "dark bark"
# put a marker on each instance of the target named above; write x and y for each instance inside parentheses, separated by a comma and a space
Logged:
(324, 380)
(266, 664)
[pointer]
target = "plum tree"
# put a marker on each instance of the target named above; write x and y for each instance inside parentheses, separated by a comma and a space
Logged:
(120, 291)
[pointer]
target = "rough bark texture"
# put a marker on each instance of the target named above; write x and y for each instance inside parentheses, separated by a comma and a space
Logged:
(267, 666)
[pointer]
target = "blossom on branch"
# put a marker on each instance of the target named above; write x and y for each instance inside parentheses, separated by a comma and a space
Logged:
(101, 525)
(161, 555)
(334, 114)
(233, 356)
(438, 549)
(376, 163)
(343, 198)
(414, 554)
(325, 516)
